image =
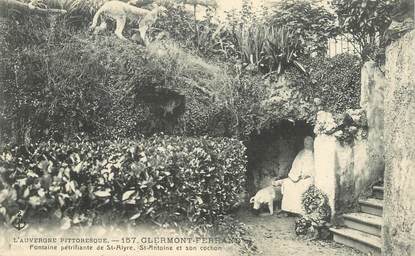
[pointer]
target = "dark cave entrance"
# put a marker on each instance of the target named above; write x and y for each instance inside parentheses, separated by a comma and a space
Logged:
(272, 151)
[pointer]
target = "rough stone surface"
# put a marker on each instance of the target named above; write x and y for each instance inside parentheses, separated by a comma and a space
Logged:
(353, 175)
(358, 116)
(357, 144)
(373, 85)
(325, 123)
(325, 166)
(286, 101)
(399, 208)
(341, 171)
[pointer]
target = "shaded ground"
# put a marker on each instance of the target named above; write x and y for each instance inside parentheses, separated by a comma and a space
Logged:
(274, 235)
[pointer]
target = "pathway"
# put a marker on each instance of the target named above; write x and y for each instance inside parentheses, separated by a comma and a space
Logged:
(274, 235)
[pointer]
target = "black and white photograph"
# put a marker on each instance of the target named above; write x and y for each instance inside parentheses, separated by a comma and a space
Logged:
(207, 127)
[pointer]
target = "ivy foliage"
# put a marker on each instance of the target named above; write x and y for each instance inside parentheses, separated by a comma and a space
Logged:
(332, 84)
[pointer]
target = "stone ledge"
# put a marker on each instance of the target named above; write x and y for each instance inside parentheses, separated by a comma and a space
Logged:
(372, 202)
(365, 218)
(362, 237)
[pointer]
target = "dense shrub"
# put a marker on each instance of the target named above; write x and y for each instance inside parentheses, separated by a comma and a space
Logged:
(166, 179)
(335, 82)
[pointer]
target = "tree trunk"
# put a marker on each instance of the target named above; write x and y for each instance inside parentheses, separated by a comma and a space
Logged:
(9, 5)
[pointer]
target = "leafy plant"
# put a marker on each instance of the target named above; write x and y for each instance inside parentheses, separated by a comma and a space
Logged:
(267, 49)
(366, 21)
(261, 45)
(205, 36)
(312, 24)
(282, 46)
(250, 41)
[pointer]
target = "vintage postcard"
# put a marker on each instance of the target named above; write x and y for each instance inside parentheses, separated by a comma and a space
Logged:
(207, 127)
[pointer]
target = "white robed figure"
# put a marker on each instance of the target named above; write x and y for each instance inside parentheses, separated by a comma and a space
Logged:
(300, 178)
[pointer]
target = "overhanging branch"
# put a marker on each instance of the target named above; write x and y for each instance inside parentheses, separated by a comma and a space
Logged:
(8, 5)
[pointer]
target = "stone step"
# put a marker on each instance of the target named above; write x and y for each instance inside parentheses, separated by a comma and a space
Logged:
(378, 192)
(372, 206)
(357, 239)
(364, 222)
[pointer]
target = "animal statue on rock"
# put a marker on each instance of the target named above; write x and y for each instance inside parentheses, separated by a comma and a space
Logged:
(120, 11)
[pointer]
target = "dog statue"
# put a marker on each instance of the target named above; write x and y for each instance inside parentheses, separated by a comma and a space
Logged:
(268, 196)
(120, 11)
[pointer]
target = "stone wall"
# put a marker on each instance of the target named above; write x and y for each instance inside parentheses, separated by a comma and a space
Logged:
(373, 84)
(353, 177)
(346, 168)
(325, 166)
(341, 163)
(399, 201)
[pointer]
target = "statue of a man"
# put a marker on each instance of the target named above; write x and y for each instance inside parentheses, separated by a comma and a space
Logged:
(300, 178)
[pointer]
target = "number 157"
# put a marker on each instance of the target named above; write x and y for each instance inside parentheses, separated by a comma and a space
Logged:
(128, 240)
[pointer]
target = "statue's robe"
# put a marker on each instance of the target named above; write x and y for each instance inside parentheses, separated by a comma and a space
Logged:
(302, 166)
